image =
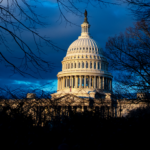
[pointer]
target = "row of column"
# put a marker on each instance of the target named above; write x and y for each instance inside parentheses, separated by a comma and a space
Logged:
(90, 64)
(85, 81)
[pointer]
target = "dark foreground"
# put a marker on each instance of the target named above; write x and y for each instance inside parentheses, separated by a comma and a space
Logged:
(80, 132)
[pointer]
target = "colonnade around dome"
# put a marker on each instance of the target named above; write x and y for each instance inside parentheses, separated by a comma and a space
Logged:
(85, 65)
(85, 81)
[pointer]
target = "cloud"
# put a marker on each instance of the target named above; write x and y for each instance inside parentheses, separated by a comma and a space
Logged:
(104, 23)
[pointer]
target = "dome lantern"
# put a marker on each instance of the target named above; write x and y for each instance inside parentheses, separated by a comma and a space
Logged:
(85, 27)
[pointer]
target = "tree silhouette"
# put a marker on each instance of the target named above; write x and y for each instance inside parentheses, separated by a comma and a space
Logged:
(130, 53)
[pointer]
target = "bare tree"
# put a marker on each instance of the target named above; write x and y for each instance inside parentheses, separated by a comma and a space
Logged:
(139, 8)
(129, 53)
(17, 17)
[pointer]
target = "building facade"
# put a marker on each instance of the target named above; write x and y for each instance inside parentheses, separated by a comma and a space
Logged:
(84, 69)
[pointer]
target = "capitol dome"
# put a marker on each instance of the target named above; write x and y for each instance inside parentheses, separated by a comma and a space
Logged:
(88, 44)
(85, 68)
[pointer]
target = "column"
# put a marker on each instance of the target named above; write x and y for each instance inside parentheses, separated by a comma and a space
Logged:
(63, 82)
(89, 81)
(99, 84)
(66, 81)
(106, 84)
(103, 82)
(96, 65)
(58, 84)
(72, 83)
(94, 82)
(80, 81)
(100, 65)
(75, 81)
(84, 81)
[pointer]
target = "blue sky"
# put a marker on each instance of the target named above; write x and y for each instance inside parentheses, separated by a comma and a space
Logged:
(106, 21)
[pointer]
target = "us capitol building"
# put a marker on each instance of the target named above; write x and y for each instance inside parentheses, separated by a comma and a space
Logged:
(84, 69)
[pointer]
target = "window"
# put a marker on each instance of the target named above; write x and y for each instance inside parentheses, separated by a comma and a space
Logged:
(86, 64)
(75, 65)
(83, 48)
(86, 48)
(79, 65)
(71, 65)
(98, 64)
(82, 64)
(94, 65)
(68, 66)
(90, 64)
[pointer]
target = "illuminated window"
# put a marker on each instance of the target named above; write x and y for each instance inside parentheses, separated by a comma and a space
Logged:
(82, 64)
(86, 64)
(94, 65)
(79, 65)
(98, 64)
(90, 64)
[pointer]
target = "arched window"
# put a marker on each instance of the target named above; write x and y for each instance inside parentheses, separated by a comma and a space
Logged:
(89, 50)
(74, 65)
(82, 64)
(90, 64)
(94, 65)
(79, 65)
(86, 64)
(98, 65)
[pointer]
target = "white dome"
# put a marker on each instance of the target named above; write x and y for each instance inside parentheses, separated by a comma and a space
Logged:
(87, 45)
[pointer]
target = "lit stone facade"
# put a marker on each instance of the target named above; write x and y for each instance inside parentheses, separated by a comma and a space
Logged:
(84, 69)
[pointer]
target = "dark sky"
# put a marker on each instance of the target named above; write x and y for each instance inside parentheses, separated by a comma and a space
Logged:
(106, 21)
